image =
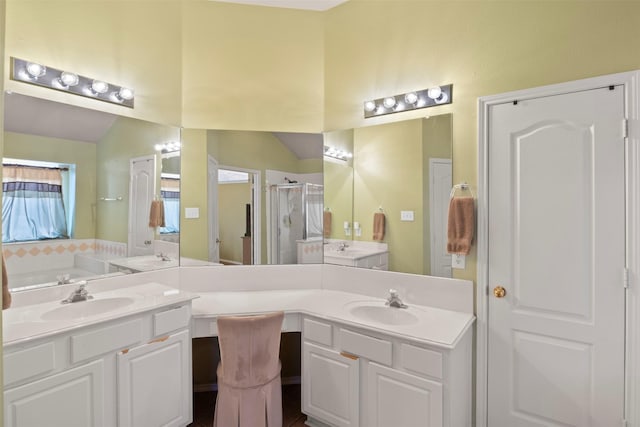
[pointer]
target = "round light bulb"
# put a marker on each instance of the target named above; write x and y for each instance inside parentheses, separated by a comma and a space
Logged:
(442, 98)
(411, 98)
(389, 102)
(36, 70)
(99, 87)
(69, 79)
(434, 92)
(125, 93)
(369, 106)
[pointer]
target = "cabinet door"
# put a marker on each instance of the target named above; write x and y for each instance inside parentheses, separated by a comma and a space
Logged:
(68, 399)
(395, 398)
(154, 383)
(330, 386)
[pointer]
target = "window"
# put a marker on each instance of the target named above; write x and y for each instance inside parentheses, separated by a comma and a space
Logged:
(170, 192)
(38, 200)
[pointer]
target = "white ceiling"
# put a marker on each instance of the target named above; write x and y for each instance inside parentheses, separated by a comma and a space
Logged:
(35, 116)
(318, 5)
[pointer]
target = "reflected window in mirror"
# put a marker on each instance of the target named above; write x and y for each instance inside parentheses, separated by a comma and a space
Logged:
(38, 200)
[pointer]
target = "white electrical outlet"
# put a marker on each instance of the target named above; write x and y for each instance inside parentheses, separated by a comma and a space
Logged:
(191, 213)
(406, 215)
(458, 261)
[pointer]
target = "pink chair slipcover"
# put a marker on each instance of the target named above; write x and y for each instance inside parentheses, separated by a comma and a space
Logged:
(249, 388)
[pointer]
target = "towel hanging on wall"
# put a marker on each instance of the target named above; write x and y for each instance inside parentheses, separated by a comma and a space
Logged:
(378, 226)
(326, 223)
(461, 225)
(156, 214)
(6, 295)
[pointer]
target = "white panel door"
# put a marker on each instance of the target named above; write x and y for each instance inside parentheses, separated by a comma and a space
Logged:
(154, 383)
(395, 398)
(557, 246)
(74, 398)
(440, 183)
(212, 207)
(330, 386)
(142, 184)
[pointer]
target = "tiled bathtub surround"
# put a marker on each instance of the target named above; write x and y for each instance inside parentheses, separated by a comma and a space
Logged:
(42, 262)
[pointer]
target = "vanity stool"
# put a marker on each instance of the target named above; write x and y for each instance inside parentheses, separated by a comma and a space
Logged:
(249, 387)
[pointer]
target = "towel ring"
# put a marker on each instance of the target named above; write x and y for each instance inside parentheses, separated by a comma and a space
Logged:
(462, 187)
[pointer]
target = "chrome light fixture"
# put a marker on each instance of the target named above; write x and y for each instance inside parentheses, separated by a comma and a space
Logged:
(336, 153)
(437, 95)
(62, 80)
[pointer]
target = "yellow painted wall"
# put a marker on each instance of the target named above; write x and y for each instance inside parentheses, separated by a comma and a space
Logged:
(387, 173)
(2, 19)
(128, 138)
(194, 232)
(232, 199)
(482, 47)
(82, 154)
(131, 43)
(252, 68)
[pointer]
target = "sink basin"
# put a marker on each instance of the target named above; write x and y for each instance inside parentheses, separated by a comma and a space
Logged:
(375, 312)
(78, 310)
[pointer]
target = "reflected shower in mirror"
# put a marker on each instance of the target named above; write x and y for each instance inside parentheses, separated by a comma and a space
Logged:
(264, 197)
(96, 174)
(401, 171)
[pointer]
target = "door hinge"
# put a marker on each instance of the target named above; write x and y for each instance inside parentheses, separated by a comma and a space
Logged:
(625, 128)
(625, 278)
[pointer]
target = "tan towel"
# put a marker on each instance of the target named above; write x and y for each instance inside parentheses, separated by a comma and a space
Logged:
(156, 214)
(326, 223)
(461, 225)
(6, 296)
(378, 226)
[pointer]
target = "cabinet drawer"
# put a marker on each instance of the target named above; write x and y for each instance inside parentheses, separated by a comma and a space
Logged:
(363, 345)
(103, 340)
(319, 332)
(172, 319)
(28, 363)
(421, 360)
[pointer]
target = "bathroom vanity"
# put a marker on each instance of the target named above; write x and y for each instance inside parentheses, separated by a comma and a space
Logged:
(122, 358)
(126, 361)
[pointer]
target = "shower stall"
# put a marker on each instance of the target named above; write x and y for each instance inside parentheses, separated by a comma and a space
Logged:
(295, 221)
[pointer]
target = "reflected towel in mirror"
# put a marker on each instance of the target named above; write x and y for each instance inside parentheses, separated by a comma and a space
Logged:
(378, 226)
(326, 223)
(6, 295)
(461, 225)
(156, 214)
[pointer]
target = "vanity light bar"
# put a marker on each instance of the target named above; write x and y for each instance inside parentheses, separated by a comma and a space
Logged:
(336, 153)
(438, 95)
(66, 81)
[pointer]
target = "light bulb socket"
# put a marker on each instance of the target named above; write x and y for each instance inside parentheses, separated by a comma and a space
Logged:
(68, 79)
(99, 87)
(35, 70)
(389, 102)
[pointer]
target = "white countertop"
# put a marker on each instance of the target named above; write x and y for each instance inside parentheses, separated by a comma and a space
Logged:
(143, 263)
(20, 324)
(435, 326)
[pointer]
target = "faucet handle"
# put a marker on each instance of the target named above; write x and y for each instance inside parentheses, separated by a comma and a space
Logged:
(393, 293)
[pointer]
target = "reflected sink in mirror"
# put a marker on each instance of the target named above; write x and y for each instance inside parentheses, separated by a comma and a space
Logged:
(375, 311)
(79, 310)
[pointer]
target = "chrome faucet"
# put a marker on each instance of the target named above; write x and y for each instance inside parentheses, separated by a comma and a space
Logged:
(63, 279)
(79, 294)
(163, 257)
(342, 246)
(394, 300)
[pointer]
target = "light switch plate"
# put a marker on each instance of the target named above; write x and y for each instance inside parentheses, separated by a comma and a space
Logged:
(458, 261)
(406, 215)
(190, 213)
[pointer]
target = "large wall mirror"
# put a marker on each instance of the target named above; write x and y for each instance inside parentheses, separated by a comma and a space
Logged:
(264, 198)
(281, 198)
(86, 194)
(402, 171)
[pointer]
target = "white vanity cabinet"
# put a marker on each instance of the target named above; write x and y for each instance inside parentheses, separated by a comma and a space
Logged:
(352, 377)
(104, 374)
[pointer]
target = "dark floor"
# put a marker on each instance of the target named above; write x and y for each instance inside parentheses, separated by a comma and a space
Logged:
(205, 402)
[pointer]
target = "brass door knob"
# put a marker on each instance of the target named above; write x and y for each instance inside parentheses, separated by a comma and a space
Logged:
(499, 292)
